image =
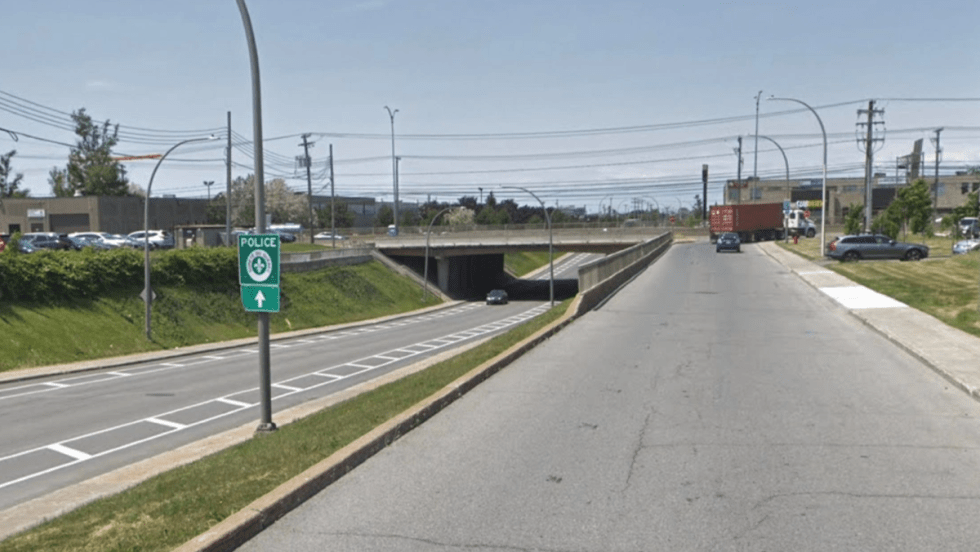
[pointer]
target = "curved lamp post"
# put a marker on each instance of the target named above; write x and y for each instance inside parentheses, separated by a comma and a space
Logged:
(551, 242)
(146, 230)
(425, 276)
(786, 161)
(394, 166)
(823, 192)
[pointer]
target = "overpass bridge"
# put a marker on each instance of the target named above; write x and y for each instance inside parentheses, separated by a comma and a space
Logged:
(470, 263)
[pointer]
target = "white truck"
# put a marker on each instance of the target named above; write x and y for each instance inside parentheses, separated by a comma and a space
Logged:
(797, 224)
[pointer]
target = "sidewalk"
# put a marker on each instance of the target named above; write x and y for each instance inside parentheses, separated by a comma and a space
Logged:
(952, 353)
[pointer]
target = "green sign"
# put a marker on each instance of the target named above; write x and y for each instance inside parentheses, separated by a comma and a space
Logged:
(258, 271)
(260, 298)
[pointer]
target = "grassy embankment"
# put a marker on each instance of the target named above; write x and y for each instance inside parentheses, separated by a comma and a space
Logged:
(39, 335)
(944, 286)
(520, 264)
(170, 509)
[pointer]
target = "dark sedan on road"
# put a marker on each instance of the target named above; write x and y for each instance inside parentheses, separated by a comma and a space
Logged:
(874, 246)
(497, 297)
(728, 241)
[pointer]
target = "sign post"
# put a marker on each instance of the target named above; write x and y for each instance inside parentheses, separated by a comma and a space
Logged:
(258, 271)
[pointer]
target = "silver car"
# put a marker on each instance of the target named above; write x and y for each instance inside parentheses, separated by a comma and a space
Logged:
(965, 246)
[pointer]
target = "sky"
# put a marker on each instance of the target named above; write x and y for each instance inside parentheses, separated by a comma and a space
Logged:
(602, 105)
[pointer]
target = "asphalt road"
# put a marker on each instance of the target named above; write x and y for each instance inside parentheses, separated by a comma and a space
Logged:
(715, 403)
(58, 431)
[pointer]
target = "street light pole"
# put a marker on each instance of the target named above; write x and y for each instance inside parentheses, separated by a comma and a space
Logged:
(551, 242)
(265, 362)
(823, 186)
(394, 165)
(146, 231)
(425, 275)
(788, 194)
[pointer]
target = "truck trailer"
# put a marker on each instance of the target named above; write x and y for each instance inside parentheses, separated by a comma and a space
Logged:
(759, 221)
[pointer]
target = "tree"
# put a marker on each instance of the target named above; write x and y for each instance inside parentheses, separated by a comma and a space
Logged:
(342, 215)
(911, 210)
(91, 169)
(385, 216)
(854, 219)
(281, 203)
(8, 180)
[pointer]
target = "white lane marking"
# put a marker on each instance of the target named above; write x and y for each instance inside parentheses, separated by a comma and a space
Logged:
(120, 374)
(171, 364)
(166, 423)
(159, 419)
(76, 454)
(278, 346)
(213, 357)
(57, 385)
(860, 297)
(286, 387)
(233, 402)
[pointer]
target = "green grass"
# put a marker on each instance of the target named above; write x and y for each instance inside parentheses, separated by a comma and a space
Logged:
(115, 325)
(522, 263)
(172, 508)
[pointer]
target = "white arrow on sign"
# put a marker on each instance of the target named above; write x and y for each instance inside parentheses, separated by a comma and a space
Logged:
(259, 298)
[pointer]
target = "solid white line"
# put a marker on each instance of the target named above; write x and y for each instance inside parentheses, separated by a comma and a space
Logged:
(166, 423)
(76, 454)
(120, 374)
(57, 385)
(355, 365)
(212, 357)
(286, 387)
(232, 402)
(172, 364)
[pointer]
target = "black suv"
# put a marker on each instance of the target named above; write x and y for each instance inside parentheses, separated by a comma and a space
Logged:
(874, 246)
(47, 240)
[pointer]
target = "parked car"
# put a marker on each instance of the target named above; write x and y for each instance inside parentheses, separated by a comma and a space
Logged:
(728, 241)
(328, 236)
(47, 240)
(497, 297)
(112, 240)
(965, 246)
(874, 246)
(969, 227)
(284, 236)
(81, 242)
(159, 239)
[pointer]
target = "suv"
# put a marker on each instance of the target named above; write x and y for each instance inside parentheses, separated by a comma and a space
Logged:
(874, 246)
(159, 239)
(47, 240)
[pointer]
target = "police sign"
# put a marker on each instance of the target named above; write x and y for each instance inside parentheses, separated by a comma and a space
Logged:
(258, 272)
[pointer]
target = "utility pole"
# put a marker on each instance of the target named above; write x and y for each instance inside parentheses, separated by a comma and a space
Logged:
(868, 144)
(209, 183)
(305, 160)
(935, 184)
(228, 190)
(333, 209)
(704, 193)
(755, 162)
(738, 180)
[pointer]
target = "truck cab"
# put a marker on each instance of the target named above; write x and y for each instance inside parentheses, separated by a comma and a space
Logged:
(798, 224)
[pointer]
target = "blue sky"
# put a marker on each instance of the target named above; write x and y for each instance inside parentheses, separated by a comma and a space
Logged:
(494, 93)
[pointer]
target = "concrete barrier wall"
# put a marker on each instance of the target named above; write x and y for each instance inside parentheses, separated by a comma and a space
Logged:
(313, 260)
(599, 279)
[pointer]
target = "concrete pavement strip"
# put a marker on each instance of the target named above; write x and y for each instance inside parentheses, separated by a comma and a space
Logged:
(952, 353)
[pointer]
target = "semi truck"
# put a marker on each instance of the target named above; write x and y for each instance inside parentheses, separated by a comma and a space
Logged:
(759, 221)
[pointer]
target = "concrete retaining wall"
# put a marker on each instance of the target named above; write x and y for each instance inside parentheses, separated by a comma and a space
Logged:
(597, 280)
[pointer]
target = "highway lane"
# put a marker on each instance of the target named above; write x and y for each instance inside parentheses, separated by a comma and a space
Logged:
(58, 431)
(715, 403)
